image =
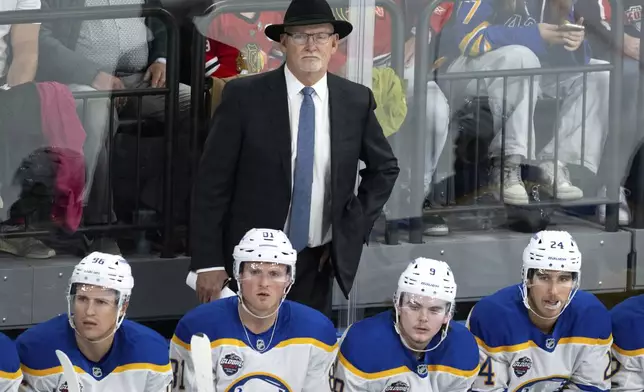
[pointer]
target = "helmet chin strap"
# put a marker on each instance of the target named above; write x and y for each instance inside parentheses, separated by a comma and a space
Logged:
(404, 341)
(526, 303)
(243, 304)
(119, 320)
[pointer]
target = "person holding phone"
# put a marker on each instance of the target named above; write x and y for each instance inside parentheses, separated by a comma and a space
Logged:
(489, 35)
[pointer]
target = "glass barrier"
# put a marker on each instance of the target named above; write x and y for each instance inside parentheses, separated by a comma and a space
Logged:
(124, 134)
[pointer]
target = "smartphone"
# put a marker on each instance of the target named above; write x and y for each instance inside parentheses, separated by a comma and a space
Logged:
(571, 27)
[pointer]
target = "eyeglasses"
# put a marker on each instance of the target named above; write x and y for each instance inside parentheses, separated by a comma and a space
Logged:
(303, 38)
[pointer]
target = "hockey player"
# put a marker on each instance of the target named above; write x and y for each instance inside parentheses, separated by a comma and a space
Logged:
(543, 334)
(259, 340)
(108, 352)
(415, 347)
(491, 35)
(628, 349)
(10, 373)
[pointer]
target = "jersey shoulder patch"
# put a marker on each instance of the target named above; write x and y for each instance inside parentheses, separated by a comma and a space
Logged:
(587, 318)
(307, 324)
(370, 347)
(458, 354)
(627, 320)
(9, 361)
(143, 345)
(206, 319)
(37, 345)
(499, 320)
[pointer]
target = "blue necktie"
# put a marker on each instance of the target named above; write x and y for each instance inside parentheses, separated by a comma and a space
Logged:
(303, 175)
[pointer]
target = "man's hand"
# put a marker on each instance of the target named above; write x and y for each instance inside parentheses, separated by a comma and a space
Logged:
(632, 47)
(551, 34)
(574, 39)
(209, 285)
(155, 75)
(326, 256)
(106, 82)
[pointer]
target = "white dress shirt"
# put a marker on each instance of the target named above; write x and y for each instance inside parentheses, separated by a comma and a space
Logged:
(320, 223)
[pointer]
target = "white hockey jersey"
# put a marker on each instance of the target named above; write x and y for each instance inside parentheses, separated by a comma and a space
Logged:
(373, 359)
(10, 373)
(138, 360)
(297, 355)
(517, 356)
(628, 348)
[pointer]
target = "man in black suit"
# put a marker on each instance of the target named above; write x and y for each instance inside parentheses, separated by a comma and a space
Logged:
(283, 153)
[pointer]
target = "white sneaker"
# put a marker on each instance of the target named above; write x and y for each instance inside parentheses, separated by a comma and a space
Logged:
(565, 189)
(513, 188)
(624, 210)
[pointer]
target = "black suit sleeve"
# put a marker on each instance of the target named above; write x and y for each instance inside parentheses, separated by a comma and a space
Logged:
(215, 181)
(59, 62)
(379, 175)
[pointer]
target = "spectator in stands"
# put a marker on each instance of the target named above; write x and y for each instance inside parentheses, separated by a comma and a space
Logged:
(18, 64)
(23, 45)
(437, 108)
(529, 34)
(280, 142)
(597, 18)
(107, 55)
(245, 31)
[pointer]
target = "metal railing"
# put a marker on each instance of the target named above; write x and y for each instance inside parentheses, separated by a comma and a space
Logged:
(171, 101)
(423, 67)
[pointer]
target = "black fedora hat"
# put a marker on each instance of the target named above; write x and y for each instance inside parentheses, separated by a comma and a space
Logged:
(308, 12)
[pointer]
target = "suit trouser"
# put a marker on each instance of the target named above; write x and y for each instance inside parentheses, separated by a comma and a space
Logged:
(313, 287)
(520, 105)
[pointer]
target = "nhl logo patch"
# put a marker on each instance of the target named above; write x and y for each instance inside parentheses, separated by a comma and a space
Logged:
(550, 343)
(521, 366)
(421, 370)
(231, 363)
(398, 386)
(97, 372)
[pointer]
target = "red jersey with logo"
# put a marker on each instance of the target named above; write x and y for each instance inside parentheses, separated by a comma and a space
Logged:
(221, 59)
(383, 32)
(245, 32)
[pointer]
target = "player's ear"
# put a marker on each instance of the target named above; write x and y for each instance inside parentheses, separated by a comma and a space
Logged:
(124, 308)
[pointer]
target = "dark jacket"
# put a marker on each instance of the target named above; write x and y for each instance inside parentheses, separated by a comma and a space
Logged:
(244, 179)
(58, 59)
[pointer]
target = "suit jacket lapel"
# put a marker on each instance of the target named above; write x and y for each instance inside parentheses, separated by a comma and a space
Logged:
(277, 102)
(336, 114)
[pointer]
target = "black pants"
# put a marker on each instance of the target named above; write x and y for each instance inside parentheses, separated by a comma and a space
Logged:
(313, 287)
